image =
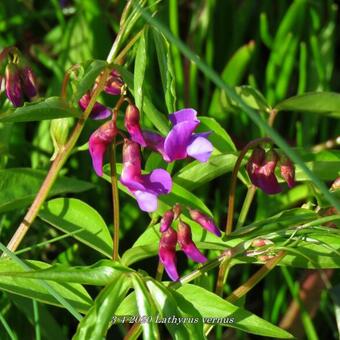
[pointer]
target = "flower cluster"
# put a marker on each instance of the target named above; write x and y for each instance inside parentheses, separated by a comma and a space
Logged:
(170, 238)
(261, 170)
(180, 143)
(19, 80)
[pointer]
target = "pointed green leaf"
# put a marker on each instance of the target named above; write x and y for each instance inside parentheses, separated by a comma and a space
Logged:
(74, 293)
(96, 322)
(212, 306)
(49, 108)
(100, 274)
(314, 102)
(146, 308)
(19, 186)
(70, 215)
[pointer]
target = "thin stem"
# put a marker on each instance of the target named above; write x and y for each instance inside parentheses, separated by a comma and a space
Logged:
(231, 201)
(255, 278)
(115, 202)
(246, 206)
(56, 166)
(160, 271)
(67, 79)
(126, 49)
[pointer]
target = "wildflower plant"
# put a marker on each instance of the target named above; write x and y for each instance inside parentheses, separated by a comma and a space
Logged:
(162, 183)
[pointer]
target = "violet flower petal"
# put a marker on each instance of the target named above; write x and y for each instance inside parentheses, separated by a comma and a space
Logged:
(99, 111)
(131, 123)
(183, 116)
(205, 221)
(200, 148)
(146, 201)
(155, 142)
(176, 142)
(29, 83)
(268, 183)
(193, 253)
(13, 85)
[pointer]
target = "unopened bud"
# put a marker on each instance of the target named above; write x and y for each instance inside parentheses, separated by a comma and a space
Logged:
(187, 245)
(287, 171)
(260, 243)
(205, 221)
(114, 84)
(167, 252)
(166, 220)
(336, 184)
(132, 124)
(177, 209)
(13, 85)
(28, 82)
(59, 130)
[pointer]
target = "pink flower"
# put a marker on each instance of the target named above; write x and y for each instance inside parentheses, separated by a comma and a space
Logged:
(205, 221)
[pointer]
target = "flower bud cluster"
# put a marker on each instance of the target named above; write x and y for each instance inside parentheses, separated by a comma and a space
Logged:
(183, 237)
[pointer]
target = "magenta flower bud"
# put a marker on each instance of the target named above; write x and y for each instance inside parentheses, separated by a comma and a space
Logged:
(261, 167)
(287, 171)
(145, 188)
(13, 85)
(266, 178)
(99, 111)
(99, 142)
(28, 82)
(114, 84)
(205, 221)
(167, 253)
(132, 124)
(187, 245)
(166, 220)
(255, 161)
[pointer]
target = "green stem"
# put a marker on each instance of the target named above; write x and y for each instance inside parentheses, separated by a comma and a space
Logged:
(115, 202)
(56, 166)
(246, 206)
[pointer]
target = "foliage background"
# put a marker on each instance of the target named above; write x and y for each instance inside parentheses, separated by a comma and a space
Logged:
(281, 48)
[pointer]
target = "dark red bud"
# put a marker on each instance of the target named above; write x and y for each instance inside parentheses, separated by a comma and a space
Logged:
(13, 85)
(28, 82)
(288, 171)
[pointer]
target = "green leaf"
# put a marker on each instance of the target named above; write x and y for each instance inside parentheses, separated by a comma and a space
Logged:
(166, 70)
(100, 273)
(219, 137)
(99, 317)
(146, 308)
(49, 108)
(314, 102)
(74, 293)
(211, 305)
(19, 186)
(280, 221)
(140, 68)
(168, 306)
(70, 215)
(91, 71)
(196, 173)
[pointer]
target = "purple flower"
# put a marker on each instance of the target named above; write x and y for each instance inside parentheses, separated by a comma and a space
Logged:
(261, 167)
(13, 85)
(145, 188)
(181, 141)
(205, 221)
(98, 143)
(99, 111)
(166, 220)
(167, 253)
(132, 124)
(187, 245)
